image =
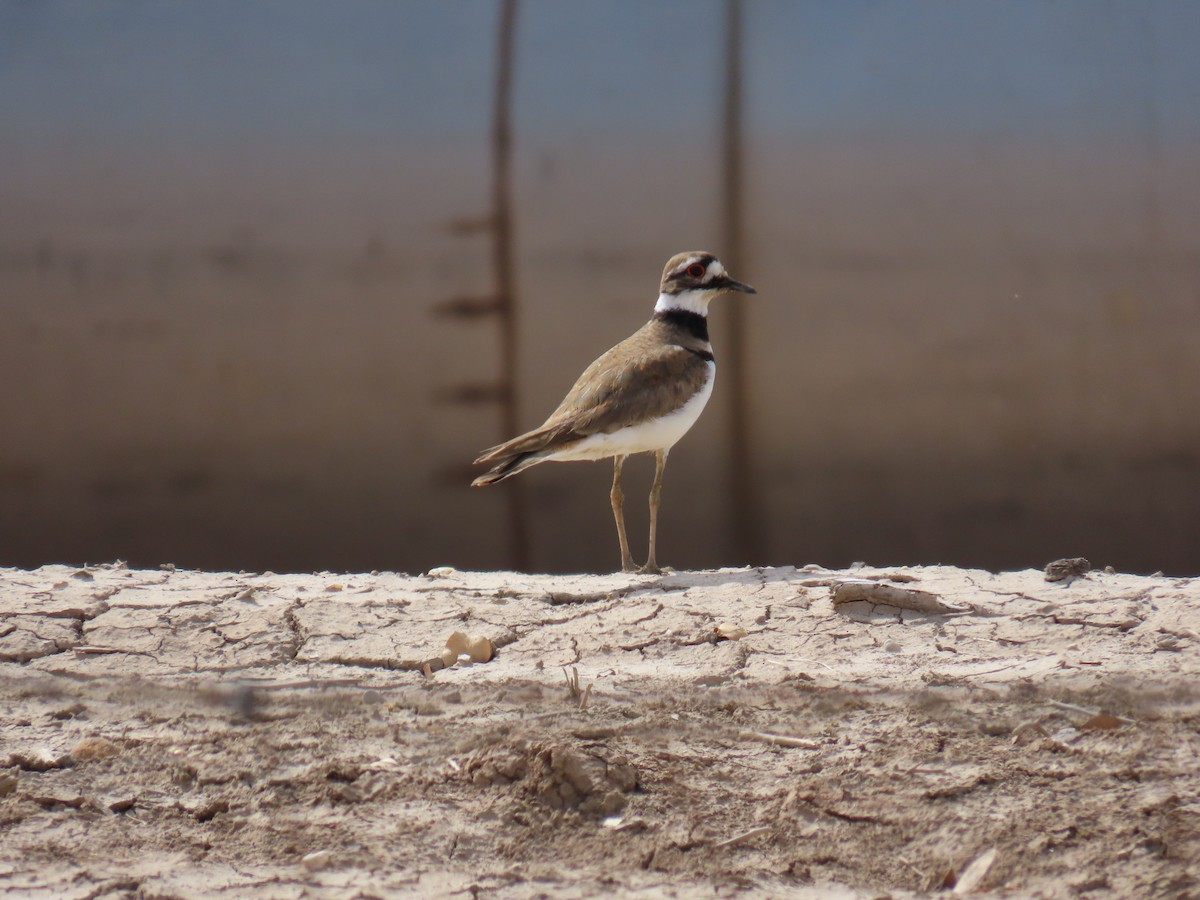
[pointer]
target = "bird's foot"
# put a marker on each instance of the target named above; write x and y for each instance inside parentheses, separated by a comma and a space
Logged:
(650, 569)
(628, 565)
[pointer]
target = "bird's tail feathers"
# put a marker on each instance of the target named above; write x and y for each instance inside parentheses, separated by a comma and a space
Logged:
(507, 469)
(524, 451)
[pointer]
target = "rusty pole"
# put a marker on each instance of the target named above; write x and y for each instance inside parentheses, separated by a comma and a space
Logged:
(744, 507)
(503, 269)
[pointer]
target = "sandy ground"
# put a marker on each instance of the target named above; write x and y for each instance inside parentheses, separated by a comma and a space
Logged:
(766, 732)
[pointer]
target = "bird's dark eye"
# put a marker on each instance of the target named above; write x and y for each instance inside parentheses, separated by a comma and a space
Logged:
(696, 270)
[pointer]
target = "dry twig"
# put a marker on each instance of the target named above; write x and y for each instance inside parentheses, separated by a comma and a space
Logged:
(744, 836)
(780, 740)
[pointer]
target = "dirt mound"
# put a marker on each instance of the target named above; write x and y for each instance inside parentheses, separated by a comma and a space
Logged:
(559, 775)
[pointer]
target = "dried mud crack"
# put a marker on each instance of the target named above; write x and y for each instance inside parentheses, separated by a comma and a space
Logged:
(175, 733)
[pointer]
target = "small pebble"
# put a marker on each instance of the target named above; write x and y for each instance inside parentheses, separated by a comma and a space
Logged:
(318, 859)
(94, 748)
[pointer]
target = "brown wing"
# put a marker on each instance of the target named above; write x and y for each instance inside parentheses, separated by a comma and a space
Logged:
(640, 378)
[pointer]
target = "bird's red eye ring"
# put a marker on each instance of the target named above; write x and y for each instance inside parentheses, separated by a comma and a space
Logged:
(696, 270)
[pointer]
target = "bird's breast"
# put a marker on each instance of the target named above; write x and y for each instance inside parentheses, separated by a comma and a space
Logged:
(659, 433)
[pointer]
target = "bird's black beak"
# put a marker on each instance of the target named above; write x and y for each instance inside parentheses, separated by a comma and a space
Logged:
(725, 283)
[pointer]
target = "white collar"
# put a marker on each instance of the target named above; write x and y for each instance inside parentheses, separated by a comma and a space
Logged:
(687, 301)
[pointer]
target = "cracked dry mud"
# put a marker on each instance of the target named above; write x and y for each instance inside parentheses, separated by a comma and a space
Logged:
(867, 733)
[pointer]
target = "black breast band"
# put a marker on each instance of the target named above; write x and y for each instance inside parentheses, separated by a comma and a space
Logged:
(693, 323)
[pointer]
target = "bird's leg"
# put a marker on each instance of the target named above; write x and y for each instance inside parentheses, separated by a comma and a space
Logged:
(660, 463)
(618, 505)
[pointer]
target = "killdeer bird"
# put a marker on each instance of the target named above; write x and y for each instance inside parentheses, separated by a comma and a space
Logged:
(640, 397)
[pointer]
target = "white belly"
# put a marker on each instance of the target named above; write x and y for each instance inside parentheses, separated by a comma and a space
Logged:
(657, 434)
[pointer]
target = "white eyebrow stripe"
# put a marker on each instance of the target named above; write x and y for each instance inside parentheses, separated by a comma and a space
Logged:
(714, 269)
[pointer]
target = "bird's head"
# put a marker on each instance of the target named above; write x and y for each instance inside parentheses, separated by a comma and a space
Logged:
(691, 280)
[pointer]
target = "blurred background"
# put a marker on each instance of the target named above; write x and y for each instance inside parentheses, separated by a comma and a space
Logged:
(253, 297)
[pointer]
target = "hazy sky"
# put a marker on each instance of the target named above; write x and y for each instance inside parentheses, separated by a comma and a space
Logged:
(422, 67)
